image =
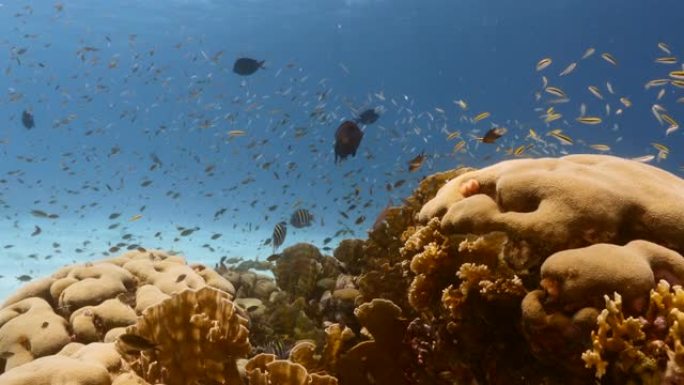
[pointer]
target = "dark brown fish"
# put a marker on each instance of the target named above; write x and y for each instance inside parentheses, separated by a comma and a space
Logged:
(493, 134)
(347, 140)
(24, 278)
(246, 66)
(27, 120)
(417, 162)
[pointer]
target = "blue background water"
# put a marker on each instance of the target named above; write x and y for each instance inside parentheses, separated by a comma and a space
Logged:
(160, 82)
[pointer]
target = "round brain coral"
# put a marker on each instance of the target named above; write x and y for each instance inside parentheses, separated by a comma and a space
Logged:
(560, 203)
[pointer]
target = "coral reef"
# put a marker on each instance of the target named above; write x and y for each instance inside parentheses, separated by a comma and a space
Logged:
(43, 322)
(534, 271)
(574, 284)
(538, 243)
(383, 271)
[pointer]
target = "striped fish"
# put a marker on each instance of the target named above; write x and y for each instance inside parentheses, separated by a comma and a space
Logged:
(301, 218)
(279, 233)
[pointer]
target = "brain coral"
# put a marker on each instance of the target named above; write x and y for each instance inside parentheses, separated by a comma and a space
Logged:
(551, 204)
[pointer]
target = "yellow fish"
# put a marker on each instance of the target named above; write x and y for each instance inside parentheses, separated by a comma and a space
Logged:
(533, 134)
(590, 51)
(625, 102)
(236, 133)
(660, 147)
(521, 149)
(135, 217)
(609, 58)
(666, 60)
(543, 63)
(677, 74)
(677, 83)
(657, 82)
(454, 135)
(595, 91)
(552, 117)
(556, 91)
(459, 146)
(481, 116)
(589, 120)
(669, 120)
(600, 147)
(564, 139)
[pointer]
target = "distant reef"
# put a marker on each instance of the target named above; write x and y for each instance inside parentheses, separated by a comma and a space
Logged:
(530, 271)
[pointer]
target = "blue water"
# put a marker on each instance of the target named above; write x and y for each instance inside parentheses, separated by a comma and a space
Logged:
(112, 83)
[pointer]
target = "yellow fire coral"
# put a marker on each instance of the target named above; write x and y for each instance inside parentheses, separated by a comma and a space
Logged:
(197, 336)
(647, 349)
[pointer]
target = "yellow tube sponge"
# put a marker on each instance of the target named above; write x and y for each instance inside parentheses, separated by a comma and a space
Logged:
(197, 336)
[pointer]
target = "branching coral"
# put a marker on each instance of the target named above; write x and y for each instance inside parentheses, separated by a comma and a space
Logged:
(384, 268)
(640, 350)
(198, 335)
